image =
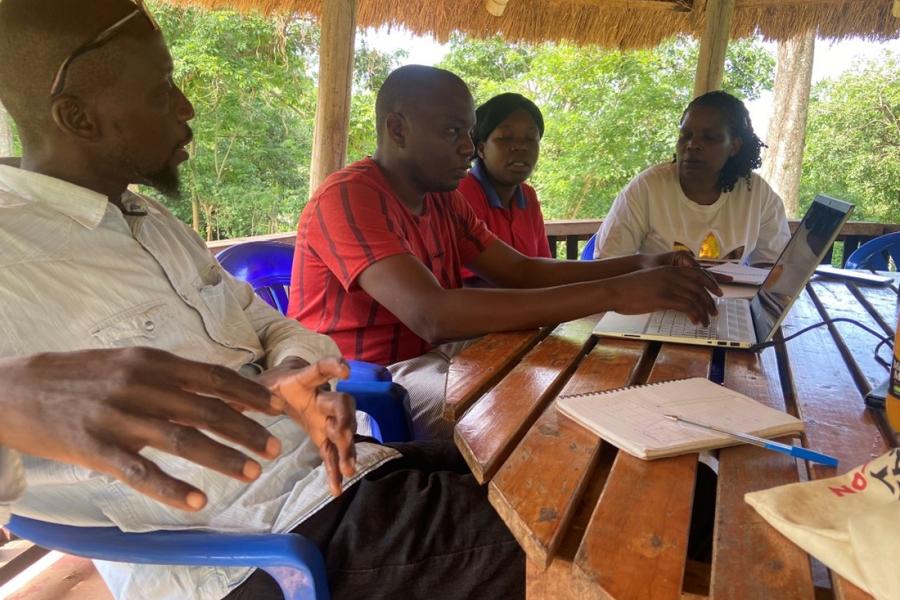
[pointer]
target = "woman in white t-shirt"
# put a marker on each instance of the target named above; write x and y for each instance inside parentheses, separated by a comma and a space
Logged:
(708, 200)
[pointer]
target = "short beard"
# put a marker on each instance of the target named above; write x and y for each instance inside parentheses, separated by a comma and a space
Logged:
(166, 182)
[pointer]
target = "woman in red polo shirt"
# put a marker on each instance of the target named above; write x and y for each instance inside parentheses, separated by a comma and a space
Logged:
(507, 139)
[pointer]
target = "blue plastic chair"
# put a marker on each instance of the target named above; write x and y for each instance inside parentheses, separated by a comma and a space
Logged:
(266, 266)
(874, 253)
(291, 559)
(588, 252)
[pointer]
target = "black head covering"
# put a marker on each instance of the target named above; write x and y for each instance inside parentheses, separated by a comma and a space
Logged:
(493, 112)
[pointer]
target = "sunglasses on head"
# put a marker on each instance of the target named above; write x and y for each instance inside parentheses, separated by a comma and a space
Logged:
(99, 40)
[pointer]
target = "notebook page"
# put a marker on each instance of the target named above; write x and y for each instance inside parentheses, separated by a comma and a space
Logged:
(742, 273)
(633, 419)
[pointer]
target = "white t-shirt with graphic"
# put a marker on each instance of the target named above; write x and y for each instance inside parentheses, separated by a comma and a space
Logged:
(652, 215)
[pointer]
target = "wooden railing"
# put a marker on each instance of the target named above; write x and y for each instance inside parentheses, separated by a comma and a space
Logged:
(568, 237)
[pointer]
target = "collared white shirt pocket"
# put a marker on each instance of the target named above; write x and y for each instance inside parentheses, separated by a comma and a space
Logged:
(223, 317)
(138, 326)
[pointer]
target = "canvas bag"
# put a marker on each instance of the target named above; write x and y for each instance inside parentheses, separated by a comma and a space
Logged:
(851, 522)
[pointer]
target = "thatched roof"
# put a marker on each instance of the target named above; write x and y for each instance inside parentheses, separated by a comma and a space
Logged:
(611, 23)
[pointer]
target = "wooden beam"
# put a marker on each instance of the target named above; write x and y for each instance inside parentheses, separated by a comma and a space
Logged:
(336, 50)
(663, 5)
(711, 62)
(781, 3)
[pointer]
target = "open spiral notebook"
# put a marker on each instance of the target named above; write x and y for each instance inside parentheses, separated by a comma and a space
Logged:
(634, 418)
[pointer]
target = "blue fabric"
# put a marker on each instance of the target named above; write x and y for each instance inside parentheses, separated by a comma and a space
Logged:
(480, 173)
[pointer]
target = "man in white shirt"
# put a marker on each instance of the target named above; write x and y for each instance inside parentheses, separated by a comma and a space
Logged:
(86, 264)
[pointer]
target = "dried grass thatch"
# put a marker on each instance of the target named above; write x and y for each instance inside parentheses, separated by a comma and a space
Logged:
(610, 23)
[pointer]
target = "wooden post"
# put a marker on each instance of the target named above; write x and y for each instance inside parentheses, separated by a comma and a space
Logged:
(336, 50)
(711, 62)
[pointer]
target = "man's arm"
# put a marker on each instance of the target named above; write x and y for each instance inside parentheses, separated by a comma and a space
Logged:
(99, 408)
(405, 287)
(506, 267)
(285, 341)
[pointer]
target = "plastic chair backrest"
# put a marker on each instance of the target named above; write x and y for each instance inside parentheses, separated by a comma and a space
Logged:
(265, 265)
(388, 405)
(873, 254)
(588, 252)
(292, 560)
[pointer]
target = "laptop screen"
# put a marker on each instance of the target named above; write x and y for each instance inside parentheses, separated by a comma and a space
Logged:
(798, 261)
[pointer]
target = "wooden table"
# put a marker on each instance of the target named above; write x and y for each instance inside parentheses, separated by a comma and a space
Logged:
(599, 523)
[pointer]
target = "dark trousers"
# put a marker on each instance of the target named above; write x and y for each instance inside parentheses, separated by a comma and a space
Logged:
(417, 527)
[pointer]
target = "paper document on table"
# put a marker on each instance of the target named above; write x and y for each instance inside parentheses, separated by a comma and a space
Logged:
(741, 273)
(634, 418)
(738, 291)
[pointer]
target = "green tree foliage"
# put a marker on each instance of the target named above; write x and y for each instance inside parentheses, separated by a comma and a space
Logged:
(853, 140)
(609, 114)
(251, 84)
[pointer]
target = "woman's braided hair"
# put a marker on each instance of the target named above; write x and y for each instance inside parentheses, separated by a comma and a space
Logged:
(738, 119)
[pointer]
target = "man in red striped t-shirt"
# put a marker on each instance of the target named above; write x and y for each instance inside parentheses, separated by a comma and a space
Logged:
(381, 245)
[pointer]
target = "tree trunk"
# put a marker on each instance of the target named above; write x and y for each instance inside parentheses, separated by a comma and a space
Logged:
(787, 127)
(6, 133)
(195, 214)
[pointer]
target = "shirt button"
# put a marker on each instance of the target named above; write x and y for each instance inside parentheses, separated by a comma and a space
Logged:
(149, 325)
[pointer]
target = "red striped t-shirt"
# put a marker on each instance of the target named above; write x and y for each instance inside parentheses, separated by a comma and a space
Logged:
(355, 220)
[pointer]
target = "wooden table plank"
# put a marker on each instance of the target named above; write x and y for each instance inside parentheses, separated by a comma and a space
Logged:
(880, 299)
(856, 345)
(829, 402)
(636, 543)
(491, 428)
(750, 558)
(827, 399)
(537, 489)
(479, 366)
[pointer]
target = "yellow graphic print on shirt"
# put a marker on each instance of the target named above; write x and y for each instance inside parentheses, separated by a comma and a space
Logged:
(710, 247)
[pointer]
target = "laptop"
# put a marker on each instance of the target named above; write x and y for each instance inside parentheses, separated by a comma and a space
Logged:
(742, 322)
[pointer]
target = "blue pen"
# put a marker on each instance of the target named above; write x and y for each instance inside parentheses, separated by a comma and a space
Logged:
(796, 451)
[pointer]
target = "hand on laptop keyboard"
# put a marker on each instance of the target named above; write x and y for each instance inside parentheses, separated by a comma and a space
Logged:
(684, 289)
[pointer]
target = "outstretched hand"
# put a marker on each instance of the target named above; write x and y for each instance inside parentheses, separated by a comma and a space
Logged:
(99, 408)
(328, 417)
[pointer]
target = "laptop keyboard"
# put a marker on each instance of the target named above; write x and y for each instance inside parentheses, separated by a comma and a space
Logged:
(729, 324)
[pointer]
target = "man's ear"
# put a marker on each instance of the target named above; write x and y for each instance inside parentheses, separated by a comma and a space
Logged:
(395, 124)
(71, 116)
